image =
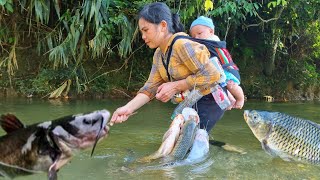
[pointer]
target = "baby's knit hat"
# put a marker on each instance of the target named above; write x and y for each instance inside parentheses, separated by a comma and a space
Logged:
(202, 21)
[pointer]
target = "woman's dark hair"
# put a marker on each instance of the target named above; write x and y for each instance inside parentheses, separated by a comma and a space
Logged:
(157, 12)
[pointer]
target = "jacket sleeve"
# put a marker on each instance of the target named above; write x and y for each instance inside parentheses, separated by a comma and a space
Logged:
(154, 81)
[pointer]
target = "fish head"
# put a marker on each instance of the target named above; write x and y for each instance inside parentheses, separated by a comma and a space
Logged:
(77, 132)
(200, 146)
(188, 113)
(202, 139)
(202, 135)
(49, 145)
(260, 122)
(82, 130)
(178, 121)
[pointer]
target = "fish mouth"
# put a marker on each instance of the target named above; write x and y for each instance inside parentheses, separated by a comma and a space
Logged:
(246, 115)
(86, 141)
(103, 132)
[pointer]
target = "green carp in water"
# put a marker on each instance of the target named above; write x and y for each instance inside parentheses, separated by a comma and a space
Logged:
(290, 138)
(178, 139)
(198, 153)
(190, 138)
(187, 135)
(47, 146)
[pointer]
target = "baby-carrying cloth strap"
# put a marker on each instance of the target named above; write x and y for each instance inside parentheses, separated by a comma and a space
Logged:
(212, 46)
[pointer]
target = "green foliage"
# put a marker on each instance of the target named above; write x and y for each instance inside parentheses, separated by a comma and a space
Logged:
(66, 30)
(314, 31)
(7, 5)
(273, 4)
(76, 34)
(296, 76)
(188, 9)
(44, 82)
(235, 13)
(238, 10)
(101, 84)
(70, 31)
(302, 72)
(39, 86)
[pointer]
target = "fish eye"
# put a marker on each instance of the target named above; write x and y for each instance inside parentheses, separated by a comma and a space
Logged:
(89, 122)
(85, 121)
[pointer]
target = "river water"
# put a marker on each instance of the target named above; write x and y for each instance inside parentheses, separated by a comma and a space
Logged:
(115, 156)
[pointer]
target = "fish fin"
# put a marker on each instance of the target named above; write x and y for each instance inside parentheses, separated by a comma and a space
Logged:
(314, 124)
(52, 174)
(165, 136)
(287, 158)
(53, 169)
(267, 149)
(149, 158)
(217, 143)
(10, 123)
(232, 148)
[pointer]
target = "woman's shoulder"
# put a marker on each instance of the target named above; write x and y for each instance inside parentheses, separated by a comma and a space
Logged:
(188, 46)
(184, 42)
(157, 54)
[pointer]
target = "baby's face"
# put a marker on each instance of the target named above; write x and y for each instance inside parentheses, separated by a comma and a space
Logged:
(201, 32)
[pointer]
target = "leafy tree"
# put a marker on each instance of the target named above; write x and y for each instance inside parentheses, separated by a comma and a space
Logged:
(74, 34)
(69, 32)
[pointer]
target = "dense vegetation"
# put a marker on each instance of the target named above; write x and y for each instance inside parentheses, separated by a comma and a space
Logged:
(54, 48)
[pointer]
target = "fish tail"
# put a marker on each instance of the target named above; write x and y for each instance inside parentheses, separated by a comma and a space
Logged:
(10, 123)
(150, 158)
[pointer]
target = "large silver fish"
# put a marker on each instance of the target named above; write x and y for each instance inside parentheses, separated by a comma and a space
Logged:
(176, 142)
(187, 135)
(47, 146)
(168, 141)
(200, 147)
(198, 153)
(288, 137)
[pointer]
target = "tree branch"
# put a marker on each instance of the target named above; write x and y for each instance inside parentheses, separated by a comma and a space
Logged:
(114, 70)
(266, 21)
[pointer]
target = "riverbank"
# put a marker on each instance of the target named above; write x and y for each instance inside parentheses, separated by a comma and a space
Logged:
(108, 78)
(311, 94)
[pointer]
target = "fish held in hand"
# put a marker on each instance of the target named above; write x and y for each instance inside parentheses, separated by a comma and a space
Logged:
(188, 113)
(289, 137)
(47, 146)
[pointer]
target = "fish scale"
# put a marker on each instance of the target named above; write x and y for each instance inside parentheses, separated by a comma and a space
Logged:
(286, 130)
(185, 139)
(289, 137)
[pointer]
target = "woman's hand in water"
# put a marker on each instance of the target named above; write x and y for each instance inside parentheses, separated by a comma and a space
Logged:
(120, 115)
